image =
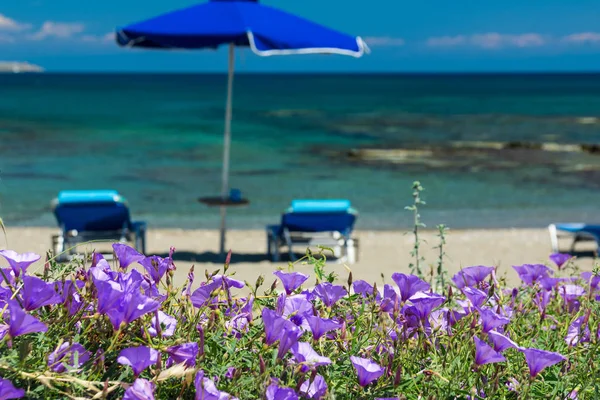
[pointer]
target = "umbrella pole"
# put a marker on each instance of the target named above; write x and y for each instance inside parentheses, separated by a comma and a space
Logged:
(226, 146)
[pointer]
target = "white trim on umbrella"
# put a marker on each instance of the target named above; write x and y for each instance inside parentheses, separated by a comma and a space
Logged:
(362, 49)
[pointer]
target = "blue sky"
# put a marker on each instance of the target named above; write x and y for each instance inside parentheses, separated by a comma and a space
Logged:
(405, 36)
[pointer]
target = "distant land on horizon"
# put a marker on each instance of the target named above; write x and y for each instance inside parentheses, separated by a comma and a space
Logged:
(19, 66)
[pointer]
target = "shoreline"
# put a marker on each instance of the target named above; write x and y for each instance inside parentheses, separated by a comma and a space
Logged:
(380, 253)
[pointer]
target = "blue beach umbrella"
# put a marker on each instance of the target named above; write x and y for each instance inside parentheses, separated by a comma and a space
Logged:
(238, 23)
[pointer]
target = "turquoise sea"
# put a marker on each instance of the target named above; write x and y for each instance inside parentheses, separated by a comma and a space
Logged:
(158, 140)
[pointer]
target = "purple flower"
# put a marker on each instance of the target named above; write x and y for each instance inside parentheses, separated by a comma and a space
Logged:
(541, 299)
(491, 320)
(532, 273)
(7, 275)
(22, 323)
(238, 325)
(37, 293)
(167, 325)
(291, 280)
(127, 255)
(156, 266)
(422, 304)
(230, 372)
(593, 280)
(206, 389)
(133, 281)
(96, 257)
(471, 276)
(275, 392)
(538, 359)
(100, 274)
(19, 262)
(549, 283)
(329, 293)
(475, 296)
(439, 319)
(579, 332)
(70, 295)
(241, 306)
(296, 308)
(190, 282)
(364, 289)
(184, 353)
(274, 325)
(138, 358)
(367, 370)
(560, 259)
(108, 294)
(409, 285)
(204, 294)
(320, 326)
(571, 294)
(502, 342)
(456, 315)
(296, 304)
(227, 282)
(305, 354)
(484, 354)
(130, 307)
(8, 391)
(73, 355)
(140, 390)
(289, 337)
(315, 390)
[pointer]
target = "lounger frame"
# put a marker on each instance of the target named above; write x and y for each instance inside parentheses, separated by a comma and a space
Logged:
(577, 236)
(330, 229)
(64, 244)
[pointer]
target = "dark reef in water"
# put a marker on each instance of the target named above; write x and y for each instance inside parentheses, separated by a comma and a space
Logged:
(573, 164)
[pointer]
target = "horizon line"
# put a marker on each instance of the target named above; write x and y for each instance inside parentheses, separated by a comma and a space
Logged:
(186, 72)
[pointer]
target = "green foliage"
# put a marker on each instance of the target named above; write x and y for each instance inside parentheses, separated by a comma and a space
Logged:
(432, 365)
(414, 208)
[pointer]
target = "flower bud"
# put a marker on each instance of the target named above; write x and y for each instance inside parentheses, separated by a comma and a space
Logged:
(261, 364)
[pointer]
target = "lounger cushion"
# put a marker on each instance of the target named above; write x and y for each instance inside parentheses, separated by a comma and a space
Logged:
(318, 222)
(320, 206)
(577, 227)
(91, 211)
(88, 196)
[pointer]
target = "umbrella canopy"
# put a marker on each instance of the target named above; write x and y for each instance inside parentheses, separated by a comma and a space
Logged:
(266, 30)
(238, 23)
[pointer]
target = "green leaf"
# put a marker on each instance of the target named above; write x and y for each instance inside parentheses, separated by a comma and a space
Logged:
(4, 231)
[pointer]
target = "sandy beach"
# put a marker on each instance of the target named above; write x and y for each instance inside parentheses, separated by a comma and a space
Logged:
(380, 252)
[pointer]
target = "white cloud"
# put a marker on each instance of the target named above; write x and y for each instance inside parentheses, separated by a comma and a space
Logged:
(446, 41)
(12, 31)
(6, 38)
(384, 41)
(582, 38)
(490, 40)
(61, 30)
(100, 39)
(9, 24)
(109, 37)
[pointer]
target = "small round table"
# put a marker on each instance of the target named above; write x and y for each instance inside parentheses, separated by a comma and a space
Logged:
(219, 201)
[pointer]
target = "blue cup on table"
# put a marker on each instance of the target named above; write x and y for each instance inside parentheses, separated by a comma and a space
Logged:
(235, 195)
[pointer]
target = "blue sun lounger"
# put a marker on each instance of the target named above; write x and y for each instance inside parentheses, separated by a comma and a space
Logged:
(85, 215)
(308, 223)
(578, 231)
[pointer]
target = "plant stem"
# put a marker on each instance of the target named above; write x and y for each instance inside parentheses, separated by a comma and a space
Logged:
(417, 189)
